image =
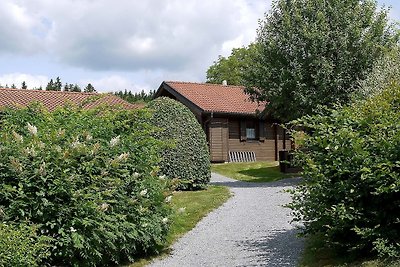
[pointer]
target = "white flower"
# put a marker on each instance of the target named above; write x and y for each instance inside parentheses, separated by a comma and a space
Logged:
(162, 177)
(104, 207)
(61, 132)
(72, 229)
(42, 169)
(165, 220)
(168, 199)
(114, 141)
(30, 151)
(16, 165)
(123, 156)
(41, 145)
(89, 137)
(75, 144)
(181, 210)
(135, 175)
(143, 192)
(32, 129)
(18, 137)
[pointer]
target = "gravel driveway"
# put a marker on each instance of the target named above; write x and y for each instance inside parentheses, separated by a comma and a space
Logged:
(250, 229)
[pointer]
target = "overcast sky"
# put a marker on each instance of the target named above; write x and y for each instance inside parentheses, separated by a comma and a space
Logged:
(122, 44)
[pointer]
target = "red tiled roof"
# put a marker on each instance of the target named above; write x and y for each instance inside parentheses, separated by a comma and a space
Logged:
(217, 97)
(53, 99)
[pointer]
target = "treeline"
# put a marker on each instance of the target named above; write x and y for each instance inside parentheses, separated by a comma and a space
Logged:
(136, 97)
(56, 85)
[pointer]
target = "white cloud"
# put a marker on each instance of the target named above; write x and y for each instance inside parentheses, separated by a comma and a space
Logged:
(136, 35)
(32, 81)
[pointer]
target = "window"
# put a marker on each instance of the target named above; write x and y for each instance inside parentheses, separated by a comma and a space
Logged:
(251, 133)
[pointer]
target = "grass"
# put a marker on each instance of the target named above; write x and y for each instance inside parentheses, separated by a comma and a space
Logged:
(258, 172)
(189, 208)
(316, 255)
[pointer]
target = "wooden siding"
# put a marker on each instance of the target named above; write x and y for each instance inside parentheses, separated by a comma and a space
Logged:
(264, 149)
(224, 136)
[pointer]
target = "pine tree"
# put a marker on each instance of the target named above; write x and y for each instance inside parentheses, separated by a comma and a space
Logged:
(50, 86)
(76, 88)
(89, 88)
(23, 85)
(57, 84)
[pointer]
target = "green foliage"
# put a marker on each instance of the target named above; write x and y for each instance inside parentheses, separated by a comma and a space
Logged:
(231, 69)
(315, 52)
(86, 178)
(351, 189)
(141, 96)
(385, 72)
(89, 88)
(20, 246)
(187, 159)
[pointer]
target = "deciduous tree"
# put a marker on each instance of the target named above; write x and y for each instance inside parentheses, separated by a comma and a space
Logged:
(316, 52)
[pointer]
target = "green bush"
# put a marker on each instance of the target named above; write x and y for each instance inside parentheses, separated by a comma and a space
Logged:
(351, 188)
(87, 179)
(187, 159)
(20, 246)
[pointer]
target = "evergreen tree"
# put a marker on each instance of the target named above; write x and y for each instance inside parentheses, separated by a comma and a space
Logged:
(13, 86)
(89, 88)
(23, 85)
(50, 86)
(57, 84)
(76, 88)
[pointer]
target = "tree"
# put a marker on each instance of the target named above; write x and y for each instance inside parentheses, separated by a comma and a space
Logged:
(13, 86)
(76, 88)
(89, 88)
(316, 52)
(50, 85)
(23, 85)
(231, 68)
(57, 84)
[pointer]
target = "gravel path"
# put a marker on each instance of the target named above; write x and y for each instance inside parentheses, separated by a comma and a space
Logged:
(250, 229)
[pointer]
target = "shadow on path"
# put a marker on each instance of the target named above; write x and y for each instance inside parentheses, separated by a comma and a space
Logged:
(239, 184)
(279, 248)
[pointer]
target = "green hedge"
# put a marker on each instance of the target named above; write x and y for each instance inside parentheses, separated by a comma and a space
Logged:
(85, 178)
(187, 159)
(351, 188)
(20, 246)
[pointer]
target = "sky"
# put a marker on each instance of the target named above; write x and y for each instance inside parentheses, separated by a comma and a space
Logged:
(124, 44)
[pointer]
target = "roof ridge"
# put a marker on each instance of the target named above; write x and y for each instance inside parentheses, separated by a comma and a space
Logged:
(208, 84)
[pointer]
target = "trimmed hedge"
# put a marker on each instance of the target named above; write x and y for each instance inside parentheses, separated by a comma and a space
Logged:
(351, 187)
(85, 178)
(187, 159)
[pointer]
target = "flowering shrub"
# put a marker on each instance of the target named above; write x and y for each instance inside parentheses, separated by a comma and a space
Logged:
(86, 179)
(187, 159)
(351, 188)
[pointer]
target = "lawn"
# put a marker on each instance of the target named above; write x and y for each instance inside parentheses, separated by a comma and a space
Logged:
(260, 171)
(189, 208)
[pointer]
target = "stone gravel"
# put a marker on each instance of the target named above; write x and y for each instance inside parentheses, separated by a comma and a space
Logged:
(251, 229)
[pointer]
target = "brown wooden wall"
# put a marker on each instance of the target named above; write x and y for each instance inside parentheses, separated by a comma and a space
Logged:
(225, 135)
(218, 140)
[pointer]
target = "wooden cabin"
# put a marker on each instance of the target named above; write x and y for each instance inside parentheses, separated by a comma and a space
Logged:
(233, 124)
